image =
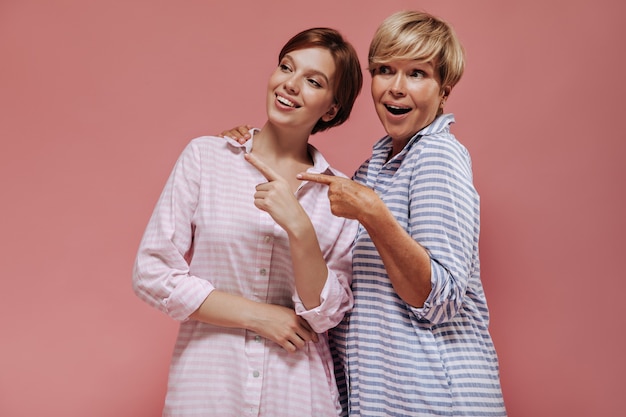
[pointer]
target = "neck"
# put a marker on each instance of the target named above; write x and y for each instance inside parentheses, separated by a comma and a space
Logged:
(281, 144)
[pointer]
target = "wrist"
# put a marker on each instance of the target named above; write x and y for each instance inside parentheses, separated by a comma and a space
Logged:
(300, 228)
(372, 212)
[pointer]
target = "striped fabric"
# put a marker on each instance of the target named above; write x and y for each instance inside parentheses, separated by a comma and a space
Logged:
(438, 360)
(206, 233)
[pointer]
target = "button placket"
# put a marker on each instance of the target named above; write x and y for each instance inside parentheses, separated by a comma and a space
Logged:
(255, 344)
(255, 352)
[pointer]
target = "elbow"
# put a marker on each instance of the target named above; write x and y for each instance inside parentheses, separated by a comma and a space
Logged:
(137, 282)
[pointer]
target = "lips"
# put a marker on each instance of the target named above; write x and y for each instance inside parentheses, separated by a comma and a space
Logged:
(397, 110)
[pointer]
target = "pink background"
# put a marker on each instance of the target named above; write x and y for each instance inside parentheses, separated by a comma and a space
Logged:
(97, 99)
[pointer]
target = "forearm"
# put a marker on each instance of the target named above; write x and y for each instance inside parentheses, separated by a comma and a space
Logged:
(274, 322)
(228, 310)
(407, 262)
(309, 266)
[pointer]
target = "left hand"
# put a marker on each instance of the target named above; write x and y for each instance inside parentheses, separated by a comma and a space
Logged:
(347, 198)
(240, 133)
(275, 196)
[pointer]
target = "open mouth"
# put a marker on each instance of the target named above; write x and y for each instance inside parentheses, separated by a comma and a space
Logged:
(288, 103)
(397, 110)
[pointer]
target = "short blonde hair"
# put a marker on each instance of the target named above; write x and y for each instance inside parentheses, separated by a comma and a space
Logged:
(411, 35)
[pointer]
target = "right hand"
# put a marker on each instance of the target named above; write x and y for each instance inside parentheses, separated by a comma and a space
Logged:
(283, 326)
(276, 198)
(347, 198)
(239, 133)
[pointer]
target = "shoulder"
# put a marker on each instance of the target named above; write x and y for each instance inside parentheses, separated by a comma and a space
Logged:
(203, 146)
(444, 143)
(207, 142)
(437, 135)
(205, 151)
(437, 141)
(441, 152)
(444, 154)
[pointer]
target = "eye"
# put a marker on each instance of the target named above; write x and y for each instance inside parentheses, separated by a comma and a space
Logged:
(383, 69)
(284, 67)
(314, 83)
(417, 74)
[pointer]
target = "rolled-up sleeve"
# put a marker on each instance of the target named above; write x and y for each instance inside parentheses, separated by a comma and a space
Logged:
(336, 297)
(445, 220)
(161, 271)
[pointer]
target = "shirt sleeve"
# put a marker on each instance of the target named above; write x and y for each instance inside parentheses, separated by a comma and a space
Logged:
(336, 297)
(445, 213)
(161, 274)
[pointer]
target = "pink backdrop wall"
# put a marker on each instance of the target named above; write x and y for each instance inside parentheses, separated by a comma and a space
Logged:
(98, 98)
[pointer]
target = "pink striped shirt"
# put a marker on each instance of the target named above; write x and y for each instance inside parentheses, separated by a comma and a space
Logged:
(205, 233)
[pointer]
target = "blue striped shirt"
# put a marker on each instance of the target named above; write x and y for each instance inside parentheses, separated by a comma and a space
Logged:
(397, 360)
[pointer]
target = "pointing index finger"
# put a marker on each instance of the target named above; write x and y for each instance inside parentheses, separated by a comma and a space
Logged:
(319, 178)
(263, 168)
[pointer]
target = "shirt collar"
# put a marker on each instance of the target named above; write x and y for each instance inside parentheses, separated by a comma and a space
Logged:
(320, 165)
(440, 124)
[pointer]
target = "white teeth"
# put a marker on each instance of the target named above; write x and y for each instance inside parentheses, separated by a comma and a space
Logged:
(286, 102)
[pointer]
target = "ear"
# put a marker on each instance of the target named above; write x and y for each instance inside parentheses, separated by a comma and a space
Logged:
(331, 113)
(446, 91)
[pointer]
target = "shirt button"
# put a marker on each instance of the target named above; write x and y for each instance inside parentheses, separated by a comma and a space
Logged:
(257, 338)
(263, 271)
(268, 239)
(256, 374)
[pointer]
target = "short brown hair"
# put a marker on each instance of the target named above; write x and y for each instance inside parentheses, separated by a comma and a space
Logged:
(348, 75)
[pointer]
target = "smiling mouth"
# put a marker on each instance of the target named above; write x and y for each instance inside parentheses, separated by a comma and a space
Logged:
(288, 103)
(397, 110)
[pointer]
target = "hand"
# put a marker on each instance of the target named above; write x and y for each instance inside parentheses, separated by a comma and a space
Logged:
(275, 196)
(283, 326)
(240, 133)
(347, 198)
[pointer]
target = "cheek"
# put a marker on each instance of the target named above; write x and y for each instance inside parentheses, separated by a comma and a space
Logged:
(318, 98)
(376, 88)
(272, 82)
(427, 99)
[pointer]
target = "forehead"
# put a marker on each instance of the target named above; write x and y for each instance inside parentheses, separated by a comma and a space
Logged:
(411, 63)
(313, 59)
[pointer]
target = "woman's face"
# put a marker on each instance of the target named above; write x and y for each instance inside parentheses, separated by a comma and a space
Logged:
(407, 96)
(301, 89)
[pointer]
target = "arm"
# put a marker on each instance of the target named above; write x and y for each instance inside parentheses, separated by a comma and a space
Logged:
(445, 219)
(277, 323)
(325, 309)
(430, 265)
(161, 275)
(406, 261)
(309, 266)
(336, 236)
(162, 278)
(276, 198)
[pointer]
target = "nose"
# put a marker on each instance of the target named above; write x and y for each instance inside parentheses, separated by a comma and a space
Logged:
(291, 85)
(396, 86)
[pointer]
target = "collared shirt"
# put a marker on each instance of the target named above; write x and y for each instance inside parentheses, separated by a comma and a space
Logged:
(205, 234)
(438, 359)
